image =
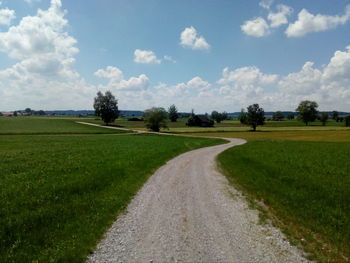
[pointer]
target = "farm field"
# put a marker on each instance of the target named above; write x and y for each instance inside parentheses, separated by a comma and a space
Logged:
(229, 125)
(304, 186)
(48, 125)
(328, 135)
(59, 194)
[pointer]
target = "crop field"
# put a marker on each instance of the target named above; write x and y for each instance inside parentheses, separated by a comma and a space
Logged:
(305, 186)
(59, 194)
(47, 125)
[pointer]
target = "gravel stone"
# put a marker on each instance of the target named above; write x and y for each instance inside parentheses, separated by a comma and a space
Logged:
(187, 212)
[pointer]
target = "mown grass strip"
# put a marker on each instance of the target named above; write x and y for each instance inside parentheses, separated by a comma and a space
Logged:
(306, 185)
(59, 194)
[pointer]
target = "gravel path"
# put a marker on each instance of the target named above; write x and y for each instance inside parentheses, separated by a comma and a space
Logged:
(187, 212)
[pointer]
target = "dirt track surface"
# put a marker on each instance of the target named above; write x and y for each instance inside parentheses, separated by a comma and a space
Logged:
(187, 212)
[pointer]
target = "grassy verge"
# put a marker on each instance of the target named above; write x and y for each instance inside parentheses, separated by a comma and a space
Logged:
(304, 185)
(59, 194)
(48, 125)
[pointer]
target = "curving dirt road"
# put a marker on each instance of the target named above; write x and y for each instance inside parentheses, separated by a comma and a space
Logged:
(187, 212)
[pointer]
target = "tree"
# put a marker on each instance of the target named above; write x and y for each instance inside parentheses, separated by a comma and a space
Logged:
(307, 111)
(255, 116)
(335, 115)
(173, 115)
(155, 118)
(106, 107)
(278, 116)
(290, 116)
(216, 116)
(324, 118)
(242, 117)
(347, 121)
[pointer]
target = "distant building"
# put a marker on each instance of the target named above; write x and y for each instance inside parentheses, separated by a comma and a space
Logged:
(200, 121)
(7, 114)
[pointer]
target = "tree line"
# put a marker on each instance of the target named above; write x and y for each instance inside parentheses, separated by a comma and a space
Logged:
(106, 107)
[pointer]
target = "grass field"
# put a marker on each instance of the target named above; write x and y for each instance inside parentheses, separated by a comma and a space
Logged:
(59, 194)
(229, 126)
(294, 135)
(305, 185)
(48, 125)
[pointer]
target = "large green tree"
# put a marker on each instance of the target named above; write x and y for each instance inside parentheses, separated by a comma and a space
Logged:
(155, 118)
(307, 111)
(173, 114)
(255, 116)
(106, 107)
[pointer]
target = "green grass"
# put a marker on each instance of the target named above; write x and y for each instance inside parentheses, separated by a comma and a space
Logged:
(48, 125)
(293, 135)
(59, 194)
(306, 185)
(229, 126)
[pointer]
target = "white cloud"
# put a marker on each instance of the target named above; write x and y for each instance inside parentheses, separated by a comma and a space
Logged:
(329, 86)
(169, 58)
(280, 17)
(308, 23)
(266, 4)
(43, 74)
(117, 81)
(145, 57)
(259, 27)
(256, 27)
(32, 1)
(190, 39)
(6, 16)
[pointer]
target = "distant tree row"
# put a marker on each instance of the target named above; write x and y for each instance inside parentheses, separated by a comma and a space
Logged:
(106, 106)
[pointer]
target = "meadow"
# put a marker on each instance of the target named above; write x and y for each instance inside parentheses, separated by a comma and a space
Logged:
(59, 194)
(227, 126)
(302, 182)
(48, 125)
(62, 183)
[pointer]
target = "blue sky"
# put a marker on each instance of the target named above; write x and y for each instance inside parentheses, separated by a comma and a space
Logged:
(205, 55)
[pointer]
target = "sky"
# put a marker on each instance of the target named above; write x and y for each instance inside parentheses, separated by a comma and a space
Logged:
(197, 54)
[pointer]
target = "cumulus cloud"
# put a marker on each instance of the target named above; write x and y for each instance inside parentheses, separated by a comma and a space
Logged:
(330, 85)
(266, 4)
(308, 23)
(259, 27)
(117, 81)
(145, 57)
(256, 27)
(6, 16)
(280, 17)
(43, 74)
(189, 38)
